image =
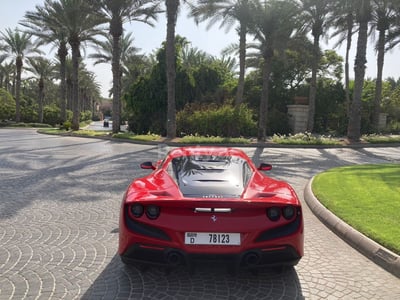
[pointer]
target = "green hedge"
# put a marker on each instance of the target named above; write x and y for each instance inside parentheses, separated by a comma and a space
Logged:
(85, 115)
(7, 105)
(51, 115)
(213, 120)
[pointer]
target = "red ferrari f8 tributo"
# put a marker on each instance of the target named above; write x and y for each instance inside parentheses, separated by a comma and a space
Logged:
(210, 203)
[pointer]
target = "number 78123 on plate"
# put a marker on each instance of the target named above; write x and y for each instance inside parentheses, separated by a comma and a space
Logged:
(212, 238)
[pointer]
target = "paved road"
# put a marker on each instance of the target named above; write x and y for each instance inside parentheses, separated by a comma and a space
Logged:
(98, 126)
(59, 205)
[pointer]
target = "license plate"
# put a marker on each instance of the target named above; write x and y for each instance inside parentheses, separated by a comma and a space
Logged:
(212, 238)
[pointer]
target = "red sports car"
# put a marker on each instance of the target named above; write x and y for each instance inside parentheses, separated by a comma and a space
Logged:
(210, 203)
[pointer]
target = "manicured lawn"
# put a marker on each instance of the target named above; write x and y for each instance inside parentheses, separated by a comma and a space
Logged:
(367, 197)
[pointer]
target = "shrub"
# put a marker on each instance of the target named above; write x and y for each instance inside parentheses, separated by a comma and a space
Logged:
(85, 115)
(305, 138)
(51, 115)
(29, 114)
(66, 125)
(277, 122)
(7, 105)
(213, 120)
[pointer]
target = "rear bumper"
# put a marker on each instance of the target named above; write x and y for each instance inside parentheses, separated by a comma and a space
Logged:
(254, 258)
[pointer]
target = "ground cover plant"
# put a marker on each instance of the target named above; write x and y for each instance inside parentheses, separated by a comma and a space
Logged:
(367, 197)
(198, 139)
(305, 138)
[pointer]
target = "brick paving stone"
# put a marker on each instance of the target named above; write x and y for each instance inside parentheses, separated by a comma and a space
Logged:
(59, 209)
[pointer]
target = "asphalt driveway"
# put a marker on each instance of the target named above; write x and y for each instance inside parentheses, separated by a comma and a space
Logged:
(59, 206)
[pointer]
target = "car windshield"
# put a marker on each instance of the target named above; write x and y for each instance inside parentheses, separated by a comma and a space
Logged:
(211, 176)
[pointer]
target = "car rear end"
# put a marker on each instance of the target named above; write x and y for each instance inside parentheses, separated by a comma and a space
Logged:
(247, 232)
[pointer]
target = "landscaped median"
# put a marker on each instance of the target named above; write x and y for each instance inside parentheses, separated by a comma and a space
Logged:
(366, 197)
(299, 139)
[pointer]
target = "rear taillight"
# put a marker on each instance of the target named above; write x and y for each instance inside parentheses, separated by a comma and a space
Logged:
(274, 213)
(137, 210)
(152, 212)
(288, 212)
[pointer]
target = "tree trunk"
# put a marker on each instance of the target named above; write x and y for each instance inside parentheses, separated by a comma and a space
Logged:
(75, 85)
(354, 126)
(263, 118)
(172, 13)
(19, 65)
(69, 92)
(242, 65)
(313, 83)
(378, 84)
(349, 20)
(41, 96)
(116, 31)
(62, 54)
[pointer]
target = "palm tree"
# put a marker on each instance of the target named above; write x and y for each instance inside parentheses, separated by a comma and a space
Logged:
(89, 89)
(192, 57)
(117, 12)
(44, 23)
(316, 14)
(363, 17)
(343, 19)
(19, 45)
(383, 16)
(105, 48)
(275, 23)
(134, 66)
(3, 71)
(393, 37)
(229, 12)
(172, 15)
(81, 25)
(43, 70)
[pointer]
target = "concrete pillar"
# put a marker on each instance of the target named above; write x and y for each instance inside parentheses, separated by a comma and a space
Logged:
(382, 121)
(298, 117)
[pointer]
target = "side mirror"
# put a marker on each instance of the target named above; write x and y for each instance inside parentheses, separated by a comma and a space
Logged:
(148, 165)
(264, 167)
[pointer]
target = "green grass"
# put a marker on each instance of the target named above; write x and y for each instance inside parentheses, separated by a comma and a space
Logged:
(80, 132)
(54, 131)
(367, 197)
(84, 132)
(381, 139)
(101, 133)
(139, 137)
(24, 125)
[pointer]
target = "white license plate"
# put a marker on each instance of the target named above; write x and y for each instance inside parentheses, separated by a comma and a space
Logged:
(212, 238)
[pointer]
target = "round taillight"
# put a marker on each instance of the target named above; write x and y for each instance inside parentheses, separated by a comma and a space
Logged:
(152, 212)
(288, 212)
(137, 210)
(273, 213)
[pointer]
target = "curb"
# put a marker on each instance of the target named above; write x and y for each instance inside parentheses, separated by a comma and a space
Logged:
(369, 248)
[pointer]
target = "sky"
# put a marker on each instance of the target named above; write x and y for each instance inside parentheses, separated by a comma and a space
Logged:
(212, 41)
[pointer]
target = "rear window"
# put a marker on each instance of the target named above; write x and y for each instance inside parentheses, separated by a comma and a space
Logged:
(208, 175)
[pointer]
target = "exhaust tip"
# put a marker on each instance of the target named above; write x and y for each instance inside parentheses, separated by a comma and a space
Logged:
(251, 259)
(174, 258)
